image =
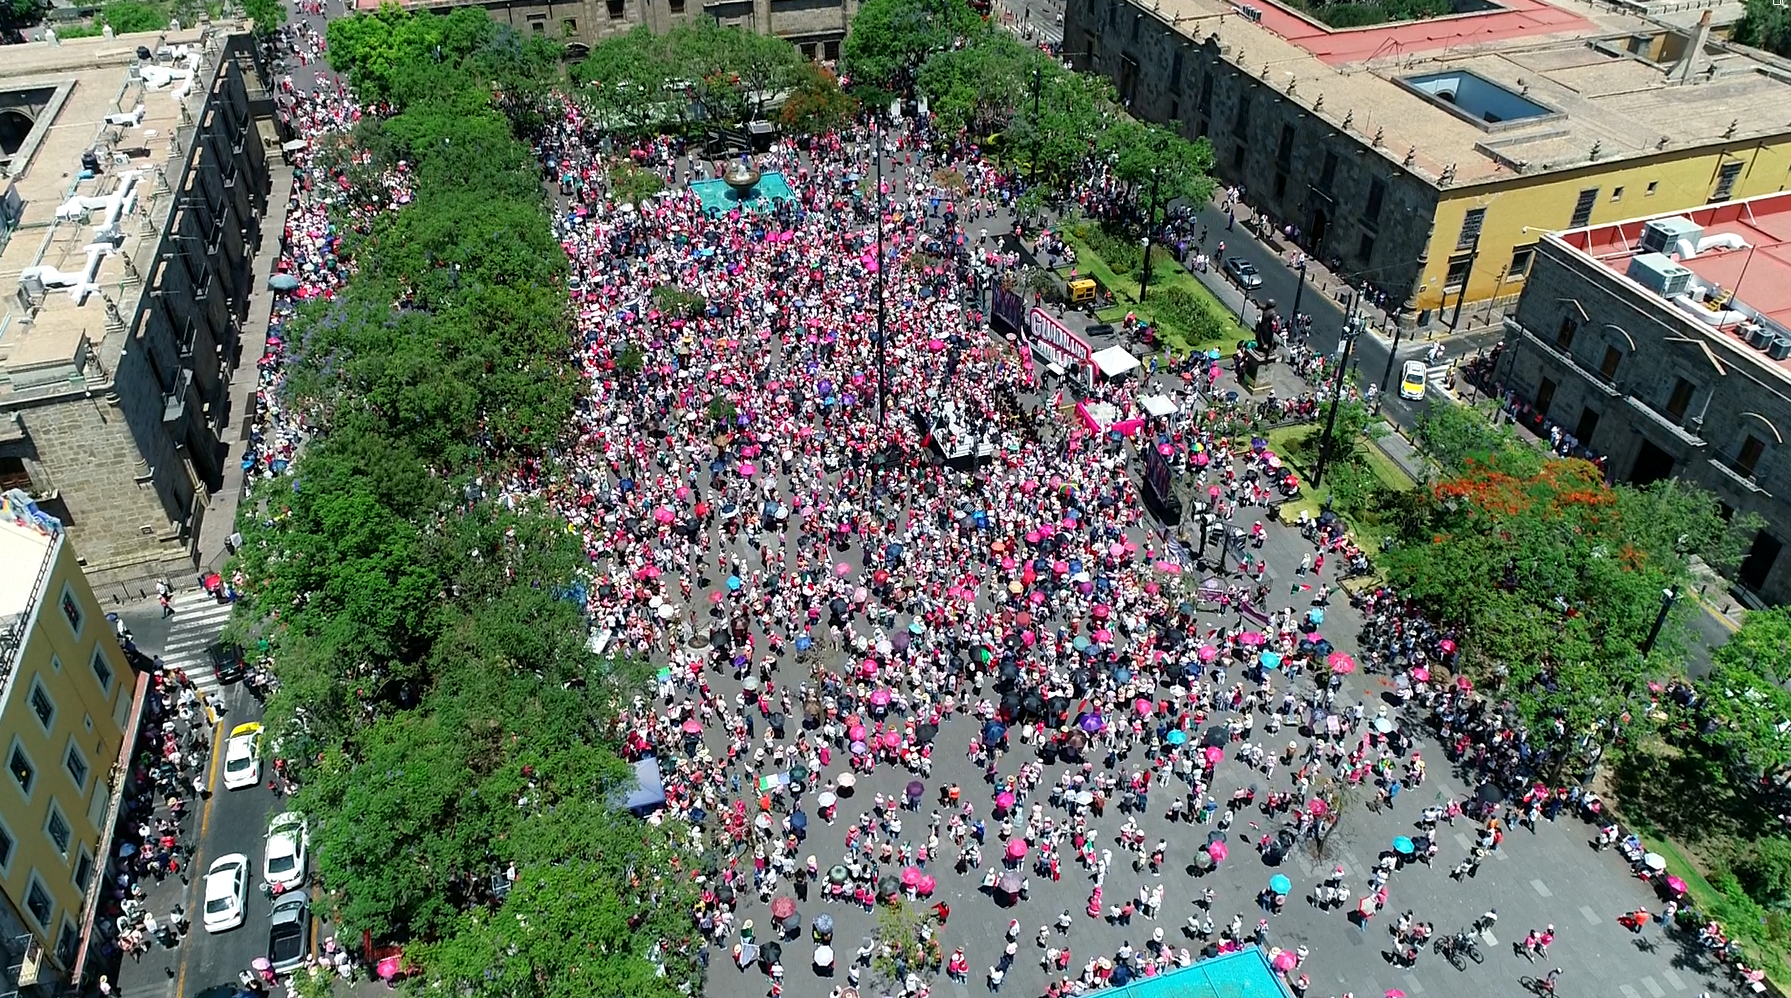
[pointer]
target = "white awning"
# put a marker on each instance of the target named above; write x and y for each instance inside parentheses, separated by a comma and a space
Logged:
(1114, 361)
(1158, 405)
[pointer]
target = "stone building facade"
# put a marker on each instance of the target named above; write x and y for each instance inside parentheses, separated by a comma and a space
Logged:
(1654, 389)
(112, 403)
(815, 26)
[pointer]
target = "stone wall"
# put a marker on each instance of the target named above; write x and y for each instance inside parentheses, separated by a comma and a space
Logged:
(1360, 211)
(1612, 364)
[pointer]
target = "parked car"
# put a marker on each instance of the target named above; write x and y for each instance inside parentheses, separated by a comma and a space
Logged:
(1412, 377)
(289, 932)
(1243, 272)
(226, 892)
(242, 757)
(227, 662)
(287, 851)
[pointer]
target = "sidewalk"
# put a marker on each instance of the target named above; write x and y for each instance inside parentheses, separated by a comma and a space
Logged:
(220, 512)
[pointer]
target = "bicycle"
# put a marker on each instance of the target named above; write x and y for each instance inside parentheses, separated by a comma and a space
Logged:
(1451, 952)
(1539, 986)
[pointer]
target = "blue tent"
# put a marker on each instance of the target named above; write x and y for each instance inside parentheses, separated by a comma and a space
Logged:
(649, 794)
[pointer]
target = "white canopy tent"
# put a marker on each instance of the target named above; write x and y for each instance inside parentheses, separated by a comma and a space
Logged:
(1158, 405)
(1114, 361)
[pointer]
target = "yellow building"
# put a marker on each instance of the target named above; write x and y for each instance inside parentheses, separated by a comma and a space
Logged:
(1425, 159)
(67, 697)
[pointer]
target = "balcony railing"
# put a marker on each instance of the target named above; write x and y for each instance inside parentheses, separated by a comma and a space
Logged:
(1744, 479)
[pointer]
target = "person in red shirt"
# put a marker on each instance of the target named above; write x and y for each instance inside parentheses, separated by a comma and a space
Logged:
(943, 910)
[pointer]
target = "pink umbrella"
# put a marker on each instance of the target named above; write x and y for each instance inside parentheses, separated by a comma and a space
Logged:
(1037, 597)
(856, 733)
(868, 670)
(1152, 588)
(892, 739)
(1060, 567)
(926, 885)
(880, 698)
(747, 469)
(1421, 674)
(1317, 806)
(1144, 707)
(911, 877)
(1004, 800)
(1285, 960)
(1116, 549)
(1342, 666)
(1251, 639)
(1213, 754)
(1173, 568)
(842, 569)
(1447, 645)
(1102, 612)
(1016, 848)
(1208, 653)
(1028, 638)
(1217, 850)
(663, 515)
(1102, 634)
(692, 726)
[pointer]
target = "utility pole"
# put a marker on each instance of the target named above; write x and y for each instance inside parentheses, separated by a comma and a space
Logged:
(1392, 357)
(1462, 297)
(1350, 332)
(1299, 290)
(1150, 218)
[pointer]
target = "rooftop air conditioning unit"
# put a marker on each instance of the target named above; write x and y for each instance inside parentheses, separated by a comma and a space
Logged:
(1757, 335)
(1658, 273)
(1662, 235)
(1779, 348)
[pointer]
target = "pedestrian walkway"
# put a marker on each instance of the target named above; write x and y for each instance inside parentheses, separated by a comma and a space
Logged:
(198, 620)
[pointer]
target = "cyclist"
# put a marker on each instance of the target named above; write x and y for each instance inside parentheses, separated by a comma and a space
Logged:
(1548, 983)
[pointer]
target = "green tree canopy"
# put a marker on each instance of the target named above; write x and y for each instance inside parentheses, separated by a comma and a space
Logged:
(890, 39)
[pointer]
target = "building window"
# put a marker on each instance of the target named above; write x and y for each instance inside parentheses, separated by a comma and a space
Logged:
(539, 26)
(1241, 119)
(1457, 276)
(1749, 455)
(1175, 71)
(1137, 20)
(1680, 399)
(1608, 366)
(569, 26)
(1175, 113)
(1365, 248)
(76, 763)
(56, 827)
(1371, 211)
(1128, 77)
(1206, 93)
(1616, 194)
(1237, 157)
(1564, 335)
(68, 943)
(808, 50)
(1545, 396)
(102, 670)
(71, 609)
(83, 870)
(1588, 425)
(1519, 268)
(1112, 13)
(1280, 185)
(617, 9)
(1653, 185)
(677, 6)
(13, 475)
(829, 50)
(1327, 174)
(42, 705)
(1470, 228)
(1725, 180)
(38, 903)
(23, 772)
(1582, 208)
(1284, 151)
(6, 849)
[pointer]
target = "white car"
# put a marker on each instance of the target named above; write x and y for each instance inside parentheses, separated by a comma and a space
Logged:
(288, 842)
(1411, 380)
(226, 892)
(242, 757)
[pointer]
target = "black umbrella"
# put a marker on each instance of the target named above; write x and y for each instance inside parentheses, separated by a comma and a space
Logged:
(1217, 736)
(925, 733)
(769, 952)
(1010, 702)
(1489, 794)
(838, 606)
(889, 885)
(1215, 836)
(1033, 705)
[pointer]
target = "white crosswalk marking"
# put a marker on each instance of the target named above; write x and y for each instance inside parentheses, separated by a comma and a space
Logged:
(1438, 375)
(197, 622)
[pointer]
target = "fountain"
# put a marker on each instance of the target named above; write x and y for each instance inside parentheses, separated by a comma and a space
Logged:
(742, 177)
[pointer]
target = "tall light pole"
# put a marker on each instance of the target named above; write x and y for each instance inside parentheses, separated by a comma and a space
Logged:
(1038, 82)
(1350, 332)
(1668, 597)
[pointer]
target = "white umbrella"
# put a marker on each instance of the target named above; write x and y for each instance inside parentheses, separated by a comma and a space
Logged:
(823, 956)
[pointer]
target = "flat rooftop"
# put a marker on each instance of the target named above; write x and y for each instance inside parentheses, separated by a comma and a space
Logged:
(1741, 253)
(88, 95)
(23, 550)
(1605, 78)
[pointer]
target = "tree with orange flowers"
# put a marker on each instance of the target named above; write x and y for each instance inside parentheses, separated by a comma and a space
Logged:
(1552, 580)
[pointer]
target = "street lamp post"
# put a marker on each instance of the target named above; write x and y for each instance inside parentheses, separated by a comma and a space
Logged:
(1299, 290)
(1350, 332)
(1150, 218)
(1037, 132)
(1668, 597)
